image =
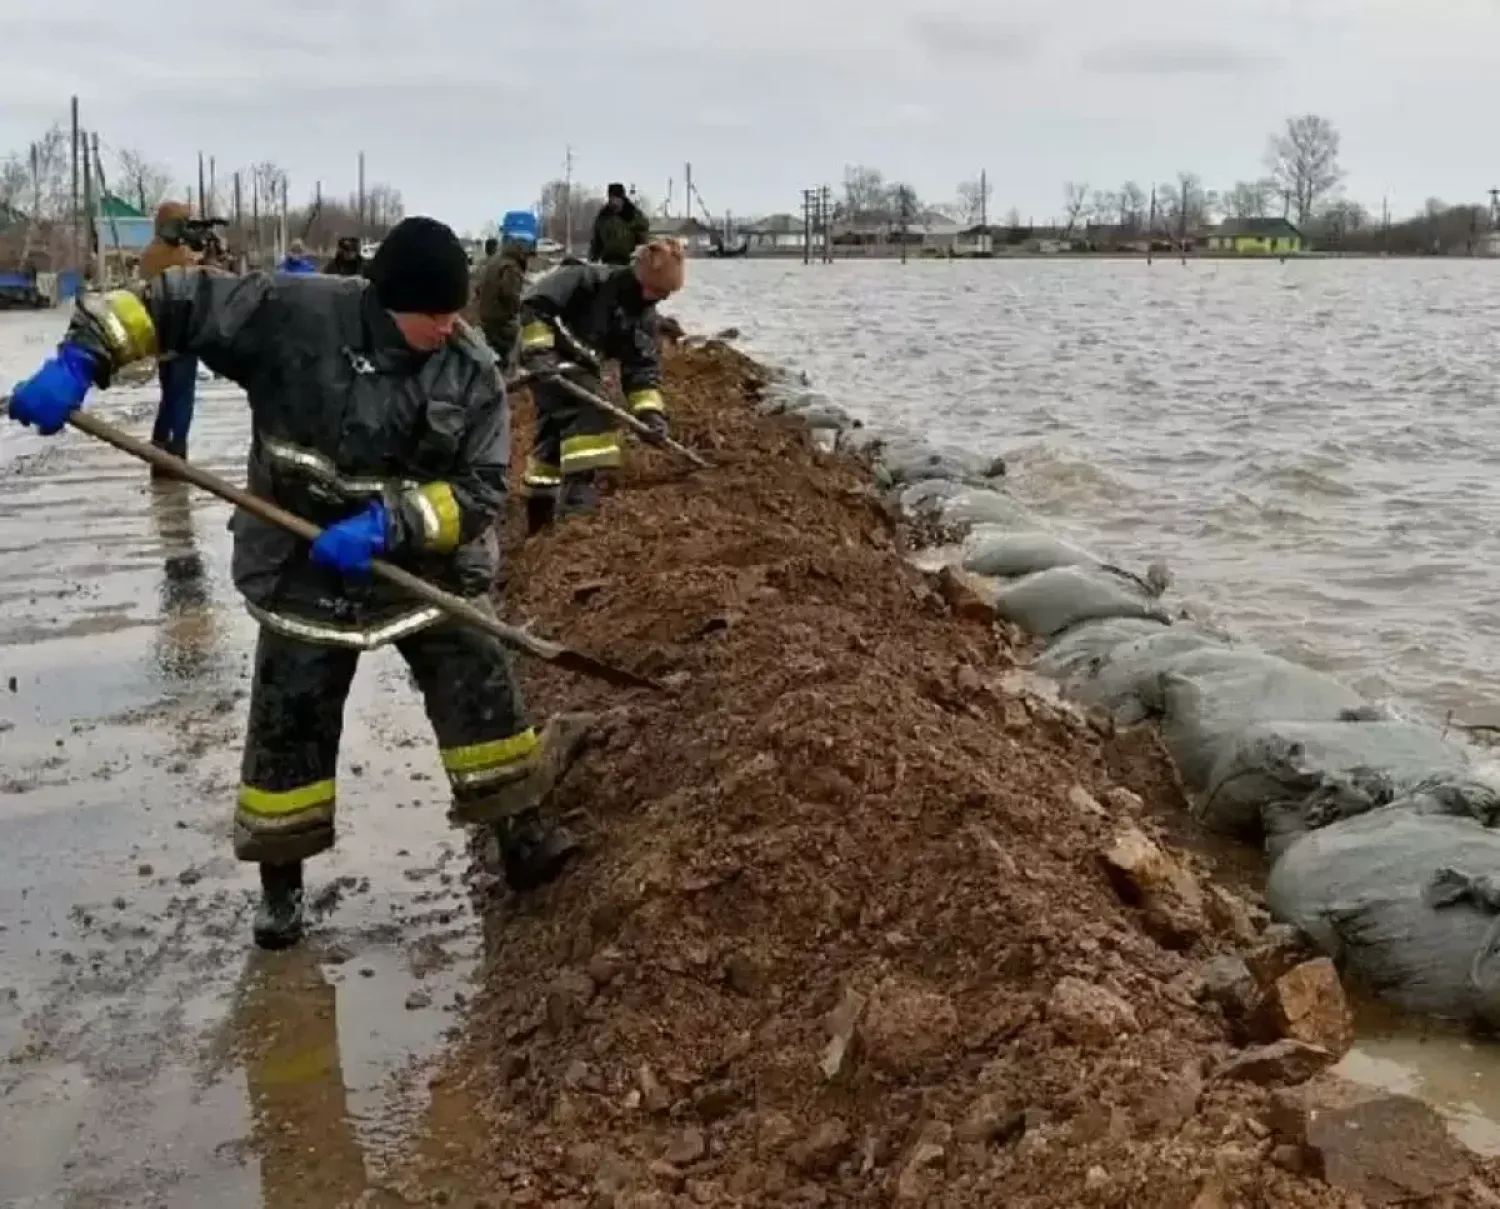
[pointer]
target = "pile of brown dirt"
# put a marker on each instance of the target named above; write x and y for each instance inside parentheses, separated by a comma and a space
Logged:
(844, 936)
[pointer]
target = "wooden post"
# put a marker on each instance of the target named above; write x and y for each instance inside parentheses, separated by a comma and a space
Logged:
(103, 265)
(77, 259)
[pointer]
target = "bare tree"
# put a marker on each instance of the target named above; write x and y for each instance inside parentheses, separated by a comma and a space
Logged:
(865, 190)
(141, 181)
(1185, 205)
(1104, 206)
(1075, 204)
(1012, 217)
(1304, 162)
(974, 198)
(559, 200)
(1133, 206)
(1251, 199)
(15, 184)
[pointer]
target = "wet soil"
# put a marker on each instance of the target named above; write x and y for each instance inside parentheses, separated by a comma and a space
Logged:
(843, 936)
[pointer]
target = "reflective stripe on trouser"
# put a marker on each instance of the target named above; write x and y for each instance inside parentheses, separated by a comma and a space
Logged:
(570, 434)
(540, 478)
(286, 802)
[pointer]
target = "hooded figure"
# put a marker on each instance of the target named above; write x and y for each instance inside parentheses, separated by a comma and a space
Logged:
(347, 260)
(619, 229)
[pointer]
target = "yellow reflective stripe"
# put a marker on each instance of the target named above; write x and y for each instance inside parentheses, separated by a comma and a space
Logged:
(582, 453)
(127, 325)
(440, 516)
(542, 474)
(645, 400)
(273, 803)
(477, 757)
(537, 335)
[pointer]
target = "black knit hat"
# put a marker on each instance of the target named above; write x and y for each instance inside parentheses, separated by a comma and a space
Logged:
(616, 189)
(421, 268)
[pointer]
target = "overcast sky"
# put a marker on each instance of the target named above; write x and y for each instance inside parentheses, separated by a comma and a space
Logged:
(467, 105)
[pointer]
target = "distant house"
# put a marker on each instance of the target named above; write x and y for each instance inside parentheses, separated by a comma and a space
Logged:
(978, 240)
(122, 227)
(776, 233)
(939, 232)
(695, 236)
(1256, 236)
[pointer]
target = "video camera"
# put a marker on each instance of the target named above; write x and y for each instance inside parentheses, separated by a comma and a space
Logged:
(201, 235)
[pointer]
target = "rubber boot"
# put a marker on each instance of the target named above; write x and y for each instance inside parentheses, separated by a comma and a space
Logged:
(540, 510)
(580, 494)
(534, 853)
(279, 918)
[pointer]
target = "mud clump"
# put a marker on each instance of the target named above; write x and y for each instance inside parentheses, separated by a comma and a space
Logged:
(843, 935)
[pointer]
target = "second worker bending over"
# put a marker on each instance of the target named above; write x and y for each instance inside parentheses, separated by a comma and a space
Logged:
(585, 315)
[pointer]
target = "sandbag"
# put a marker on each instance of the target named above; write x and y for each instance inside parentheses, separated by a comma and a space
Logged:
(1022, 553)
(925, 497)
(979, 506)
(908, 462)
(1408, 903)
(1209, 697)
(1309, 774)
(1048, 602)
(1080, 651)
(1285, 821)
(1127, 680)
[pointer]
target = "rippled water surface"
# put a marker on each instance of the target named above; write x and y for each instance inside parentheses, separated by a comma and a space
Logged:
(1313, 447)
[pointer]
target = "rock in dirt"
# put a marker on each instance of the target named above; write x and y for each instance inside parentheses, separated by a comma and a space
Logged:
(1307, 1004)
(1228, 982)
(824, 1148)
(1388, 1149)
(1147, 877)
(904, 1026)
(968, 597)
(1281, 1063)
(1088, 1015)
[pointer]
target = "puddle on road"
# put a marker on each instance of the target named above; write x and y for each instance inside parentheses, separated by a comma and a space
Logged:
(149, 1056)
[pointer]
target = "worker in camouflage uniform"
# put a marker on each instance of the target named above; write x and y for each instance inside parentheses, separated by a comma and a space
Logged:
(378, 417)
(581, 315)
(501, 283)
(619, 229)
(178, 373)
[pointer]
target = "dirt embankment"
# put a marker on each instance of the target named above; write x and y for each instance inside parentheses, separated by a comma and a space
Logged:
(846, 934)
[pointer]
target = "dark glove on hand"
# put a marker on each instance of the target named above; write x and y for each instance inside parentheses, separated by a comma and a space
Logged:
(656, 421)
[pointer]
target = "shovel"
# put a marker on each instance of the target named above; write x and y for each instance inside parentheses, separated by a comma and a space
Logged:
(455, 606)
(639, 427)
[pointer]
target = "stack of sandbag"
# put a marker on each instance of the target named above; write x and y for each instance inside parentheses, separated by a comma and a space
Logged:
(1405, 900)
(1283, 778)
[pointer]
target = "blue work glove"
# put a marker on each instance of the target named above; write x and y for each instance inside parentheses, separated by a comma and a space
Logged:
(54, 392)
(349, 546)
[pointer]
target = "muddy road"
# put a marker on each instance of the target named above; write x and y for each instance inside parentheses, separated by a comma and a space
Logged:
(150, 1057)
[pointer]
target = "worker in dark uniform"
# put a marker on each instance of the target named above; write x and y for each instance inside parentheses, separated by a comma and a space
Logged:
(379, 418)
(583, 315)
(501, 283)
(619, 229)
(178, 373)
(347, 260)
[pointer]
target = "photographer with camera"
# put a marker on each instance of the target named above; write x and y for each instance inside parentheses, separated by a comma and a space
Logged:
(172, 245)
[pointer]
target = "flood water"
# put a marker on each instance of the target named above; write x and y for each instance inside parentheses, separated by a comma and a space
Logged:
(1313, 447)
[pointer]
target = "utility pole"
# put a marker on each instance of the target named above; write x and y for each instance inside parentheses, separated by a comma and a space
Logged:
(1151, 226)
(568, 201)
(202, 200)
(807, 224)
(36, 186)
(825, 221)
(984, 200)
(99, 179)
(77, 260)
(361, 198)
(213, 186)
(904, 199)
(239, 227)
(687, 191)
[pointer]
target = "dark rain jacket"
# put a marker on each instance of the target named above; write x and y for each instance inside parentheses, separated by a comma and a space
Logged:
(590, 313)
(618, 233)
(342, 412)
(502, 281)
(345, 266)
